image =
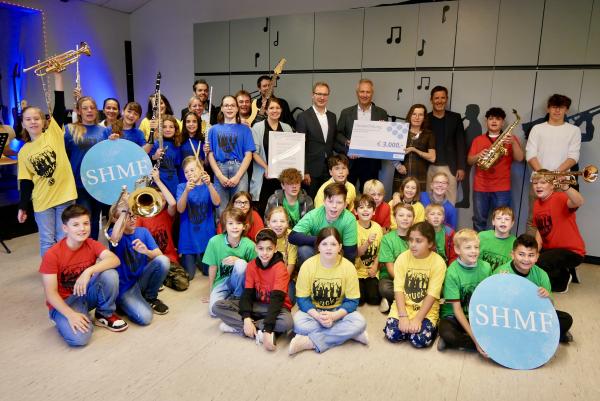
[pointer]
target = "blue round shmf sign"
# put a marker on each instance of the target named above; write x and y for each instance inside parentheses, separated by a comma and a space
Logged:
(109, 165)
(514, 325)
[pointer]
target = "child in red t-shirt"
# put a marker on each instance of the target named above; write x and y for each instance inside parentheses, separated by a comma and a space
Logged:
(376, 190)
(561, 244)
(78, 275)
(491, 188)
(264, 308)
(161, 228)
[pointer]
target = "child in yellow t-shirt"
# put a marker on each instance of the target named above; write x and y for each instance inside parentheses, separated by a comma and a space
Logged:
(408, 194)
(369, 235)
(418, 279)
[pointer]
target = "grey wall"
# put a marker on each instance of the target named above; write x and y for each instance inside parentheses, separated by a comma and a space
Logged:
(505, 53)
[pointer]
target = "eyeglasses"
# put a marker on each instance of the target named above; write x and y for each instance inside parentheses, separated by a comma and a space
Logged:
(321, 94)
(241, 203)
(229, 106)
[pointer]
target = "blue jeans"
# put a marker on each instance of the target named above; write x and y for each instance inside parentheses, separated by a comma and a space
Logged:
(133, 301)
(95, 207)
(50, 226)
(324, 338)
(304, 252)
(102, 291)
(191, 261)
(232, 286)
(229, 169)
(484, 204)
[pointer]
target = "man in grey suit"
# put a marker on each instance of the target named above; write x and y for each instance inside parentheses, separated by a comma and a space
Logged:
(320, 128)
(361, 169)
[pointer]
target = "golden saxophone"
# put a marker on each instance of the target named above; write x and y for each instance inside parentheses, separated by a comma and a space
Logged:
(497, 150)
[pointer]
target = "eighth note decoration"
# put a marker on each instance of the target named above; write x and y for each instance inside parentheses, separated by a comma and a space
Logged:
(422, 49)
(398, 39)
(428, 82)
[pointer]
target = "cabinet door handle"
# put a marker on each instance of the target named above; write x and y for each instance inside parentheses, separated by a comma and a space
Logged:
(256, 56)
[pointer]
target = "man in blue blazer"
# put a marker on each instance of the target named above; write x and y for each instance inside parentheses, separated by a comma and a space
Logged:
(361, 169)
(319, 125)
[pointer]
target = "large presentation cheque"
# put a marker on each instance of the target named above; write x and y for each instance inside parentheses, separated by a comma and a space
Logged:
(286, 150)
(378, 139)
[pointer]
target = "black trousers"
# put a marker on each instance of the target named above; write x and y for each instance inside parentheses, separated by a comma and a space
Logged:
(369, 291)
(559, 264)
(363, 170)
(455, 335)
(386, 289)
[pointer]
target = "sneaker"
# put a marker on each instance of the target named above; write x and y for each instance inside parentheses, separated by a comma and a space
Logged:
(112, 323)
(566, 338)
(384, 306)
(225, 328)
(362, 338)
(259, 337)
(300, 343)
(162, 287)
(158, 306)
(566, 288)
(441, 344)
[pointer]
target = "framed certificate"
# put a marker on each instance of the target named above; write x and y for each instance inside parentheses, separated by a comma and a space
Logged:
(378, 139)
(286, 150)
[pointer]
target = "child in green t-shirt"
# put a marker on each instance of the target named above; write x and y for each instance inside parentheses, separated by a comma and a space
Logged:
(444, 245)
(462, 277)
(392, 245)
(496, 245)
(524, 256)
(227, 255)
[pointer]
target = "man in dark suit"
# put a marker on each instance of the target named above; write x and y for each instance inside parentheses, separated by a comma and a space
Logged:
(361, 169)
(202, 90)
(320, 128)
(450, 145)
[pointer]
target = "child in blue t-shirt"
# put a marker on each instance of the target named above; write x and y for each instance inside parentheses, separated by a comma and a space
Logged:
(196, 200)
(125, 128)
(231, 147)
(170, 155)
(79, 138)
(142, 270)
(438, 194)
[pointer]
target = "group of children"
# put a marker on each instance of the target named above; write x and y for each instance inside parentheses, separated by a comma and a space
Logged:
(328, 257)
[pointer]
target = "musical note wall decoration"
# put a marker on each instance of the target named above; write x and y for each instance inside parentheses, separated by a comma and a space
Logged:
(266, 27)
(398, 94)
(276, 41)
(398, 39)
(444, 11)
(428, 82)
(422, 49)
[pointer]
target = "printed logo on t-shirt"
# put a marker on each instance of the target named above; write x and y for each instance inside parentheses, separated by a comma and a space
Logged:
(493, 259)
(415, 285)
(161, 237)
(263, 293)
(85, 142)
(225, 270)
(369, 256)
(543, 223)
(69, 274)
(326, 292)
(227, 142)
(44, 163)
(465, 297)
(197, 214)
(132, 260)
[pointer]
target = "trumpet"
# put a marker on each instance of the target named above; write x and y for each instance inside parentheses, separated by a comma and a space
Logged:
(559, 178)
(59, 62)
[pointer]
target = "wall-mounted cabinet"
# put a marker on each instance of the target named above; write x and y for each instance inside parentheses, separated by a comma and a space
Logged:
(476, 32)
(436, 34)
(292, 37)
(519, 30)
(211, 47)
(390, 36)
(338, 39)
(249, 44)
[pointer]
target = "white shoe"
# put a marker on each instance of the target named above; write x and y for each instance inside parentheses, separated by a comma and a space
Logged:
(362, 338)
(259, 337)
(225, 328)
(384, 306)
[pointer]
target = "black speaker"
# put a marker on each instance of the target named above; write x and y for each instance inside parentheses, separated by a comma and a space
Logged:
(129, 71)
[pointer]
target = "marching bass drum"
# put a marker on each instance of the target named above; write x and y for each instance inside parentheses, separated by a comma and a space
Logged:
(109, 165)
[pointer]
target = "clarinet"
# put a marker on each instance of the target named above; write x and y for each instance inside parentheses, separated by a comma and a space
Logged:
(155, 107)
